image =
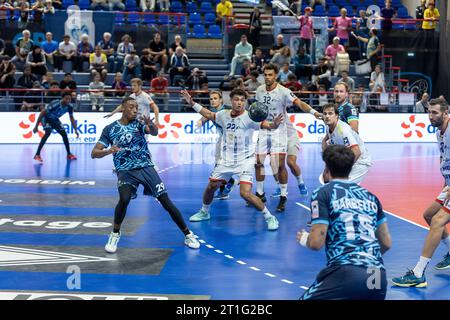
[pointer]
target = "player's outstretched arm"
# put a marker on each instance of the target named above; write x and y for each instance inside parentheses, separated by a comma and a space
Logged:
(41, 115)
(209, 115)
(100, 151)
(150, 126)
(384, 237)
(119, 108)
(307, 108)
(155, 109)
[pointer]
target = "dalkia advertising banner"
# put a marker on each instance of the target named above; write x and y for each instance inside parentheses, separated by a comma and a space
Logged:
(182, 128)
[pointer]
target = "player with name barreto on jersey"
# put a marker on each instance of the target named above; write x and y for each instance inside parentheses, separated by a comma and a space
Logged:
(237, 154)
(350, 222)
(437, 215)
(126, 139)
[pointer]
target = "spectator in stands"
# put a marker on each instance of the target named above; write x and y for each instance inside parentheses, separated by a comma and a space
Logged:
(131, 66)
(293, 84)
(224, 10)
(164, 5)
(303, 64)
(276, 48)
(36, 60)
(38, 9)
(2, 49)
(245, 70)
(118, 84)
(196, 79)
(148, 66)
(282, 57)
(107, 47)
(179, 67)
(258, 60)
(23, 46)
(85, 49)
(101, 3)
(420, 10)
(67, 83)
(5, 8)
(284, 73)
(46, 80)
(124, 48)
(332, 51)
(160, 84)
(296, 7)
(116, 4)
(306, 30)
(57, 4)
(377, 80)
(348, 80)
(67, 52)
(96, 93)
(24, 15)
(53, 92)
(240, 84)
(373, 47)
(362, 30)
(342, 25)
(7, 72)
(312, 3)
(50, 49)
(27, 79)
(252, 84)
(430, 16)
(255, 27)
(387, 13)
(49, 8)
(359, 99)
(33, 100)
(242, 51)
(423, 104)
(98, 63)
(321, 75)
(177, 43)
(158, 51)
(322, 96)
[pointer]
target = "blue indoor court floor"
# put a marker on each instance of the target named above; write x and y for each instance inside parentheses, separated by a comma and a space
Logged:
(58, 214)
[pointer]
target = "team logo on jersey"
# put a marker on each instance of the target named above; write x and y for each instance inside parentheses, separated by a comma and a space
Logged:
(172, 128)
(28, 126)
(417, 127)
(298, 126)
(314, 209)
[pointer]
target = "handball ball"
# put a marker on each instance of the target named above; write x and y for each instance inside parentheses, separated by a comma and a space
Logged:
(258, 112)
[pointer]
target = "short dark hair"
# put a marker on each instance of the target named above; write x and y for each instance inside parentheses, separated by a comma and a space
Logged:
(67, 74)
(292, 77)
(125, 100)
(254, 73)
(54, 83)
(238, 92)
(339, 160)
(271, 66)
(441, 102)
(66, 93)
(331, 106)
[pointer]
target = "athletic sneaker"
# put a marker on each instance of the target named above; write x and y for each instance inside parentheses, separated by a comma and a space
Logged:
(71, 157)
(38, 158)
(410, 280)
(272, 223)
(226, 192)
(191, 241)
(200, 216)
(303, 189)
(282, 204)
(113, 240)
(277, 193)
(444, 264)
(219, 195)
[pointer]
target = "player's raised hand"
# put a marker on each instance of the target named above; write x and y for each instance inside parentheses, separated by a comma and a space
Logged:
(278, 120)
(318, 115)
(35, 129)
(107, 115)
(114, 149)
(186, 96)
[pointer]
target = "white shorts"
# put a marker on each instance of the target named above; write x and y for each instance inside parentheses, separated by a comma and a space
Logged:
(441, 199)
(293, 145)
(245, 171)
(357, 174)
(218, 151)
(271, 143)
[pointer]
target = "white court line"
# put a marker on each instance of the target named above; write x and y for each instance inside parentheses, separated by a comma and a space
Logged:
(287, 281)
(270, 275)
(219, 251)
(303, 287)
(228, 256)
(209, 246)
(241, 262)
(255, 268)
(202, 241)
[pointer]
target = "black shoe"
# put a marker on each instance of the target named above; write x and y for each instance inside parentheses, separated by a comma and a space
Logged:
(282, 204)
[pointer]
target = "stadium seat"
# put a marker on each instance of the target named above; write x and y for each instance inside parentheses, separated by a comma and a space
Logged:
(195, 18)
(130, 5)
(206, 7)
(359, 9)
(163, 19)
(355, 3)
(333, 11)
(67, 3)
(214, 32)
(350, 12)
(210, 18)
(402, 13)
(191, 7)
(199, 31)
(149, 19)
(175, 20)
(367, 3)
(341, 3)
(319, 11)
(119, 19)
(133, 19)
(84, 4)
(176, 6)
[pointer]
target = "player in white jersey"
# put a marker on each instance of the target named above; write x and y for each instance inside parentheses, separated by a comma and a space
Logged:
(438, 214)
(144, 100)
(237, 155)
(340, 133)
(293, 147)
(274, 142)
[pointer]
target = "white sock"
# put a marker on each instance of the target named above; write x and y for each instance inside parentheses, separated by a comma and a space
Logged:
(283, 188)
(205, 207)
(266, 213)
(299, 179)
(446, 241)
(260, 187)
(420, 267)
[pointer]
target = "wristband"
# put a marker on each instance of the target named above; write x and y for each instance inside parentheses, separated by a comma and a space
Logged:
(304, 239)
(312, 111)
(197, 107)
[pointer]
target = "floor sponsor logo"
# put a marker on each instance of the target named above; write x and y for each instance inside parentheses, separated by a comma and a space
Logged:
(66, 224)
(48, 182)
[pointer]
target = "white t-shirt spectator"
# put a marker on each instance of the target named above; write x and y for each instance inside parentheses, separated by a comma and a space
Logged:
(67, 48)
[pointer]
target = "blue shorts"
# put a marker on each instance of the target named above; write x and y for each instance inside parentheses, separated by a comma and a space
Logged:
(148, 177)
(348, 282)
(52, 124)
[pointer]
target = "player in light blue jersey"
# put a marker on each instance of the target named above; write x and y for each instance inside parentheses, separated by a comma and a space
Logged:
(134, 166)
(350, 221)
